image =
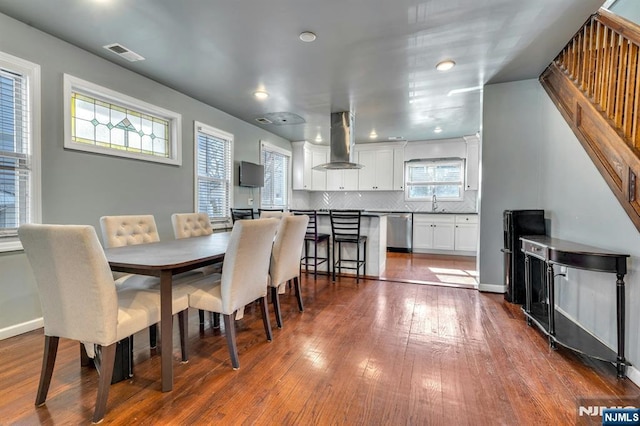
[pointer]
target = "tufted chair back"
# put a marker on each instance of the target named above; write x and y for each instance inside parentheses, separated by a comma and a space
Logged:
(187, 225)
(128, 230)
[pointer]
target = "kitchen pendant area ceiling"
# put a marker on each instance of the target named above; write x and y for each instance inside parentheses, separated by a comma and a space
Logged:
(375, 59)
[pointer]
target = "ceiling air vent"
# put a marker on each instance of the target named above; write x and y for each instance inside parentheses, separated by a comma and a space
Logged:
(263, 120)
(122, 51)
(284, 118)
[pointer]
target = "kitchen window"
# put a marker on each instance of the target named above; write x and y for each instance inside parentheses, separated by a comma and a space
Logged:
(213, 172)
(442, 178)
(276, 161)
(104, 121)
(19, 148)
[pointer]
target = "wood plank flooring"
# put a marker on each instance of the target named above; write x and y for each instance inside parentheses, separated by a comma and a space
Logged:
(373, 353)
(422, 268)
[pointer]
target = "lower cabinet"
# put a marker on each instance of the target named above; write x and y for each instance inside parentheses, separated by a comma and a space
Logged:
(445, 232)
(466, 233)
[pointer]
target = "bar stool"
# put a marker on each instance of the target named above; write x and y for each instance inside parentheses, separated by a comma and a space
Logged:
(241, 214)
(312, 237)
(345, 227)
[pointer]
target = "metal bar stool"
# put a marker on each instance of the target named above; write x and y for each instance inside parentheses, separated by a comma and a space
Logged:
(241, 214)
(313, 238)
(345, 227)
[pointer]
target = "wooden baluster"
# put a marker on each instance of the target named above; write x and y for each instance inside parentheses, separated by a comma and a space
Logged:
(621, 81)
(613, 75)
(630, 95)
(635, 134)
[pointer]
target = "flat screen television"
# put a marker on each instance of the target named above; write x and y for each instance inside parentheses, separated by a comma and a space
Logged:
(251, 175)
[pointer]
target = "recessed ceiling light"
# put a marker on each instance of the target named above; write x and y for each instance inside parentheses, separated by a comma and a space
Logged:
(260, 94)
(319, 138)
(307, 36)
(373, 135)
(437, 130)
(445, 65)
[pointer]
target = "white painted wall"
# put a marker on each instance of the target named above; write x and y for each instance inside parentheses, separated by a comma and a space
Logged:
(531, 159)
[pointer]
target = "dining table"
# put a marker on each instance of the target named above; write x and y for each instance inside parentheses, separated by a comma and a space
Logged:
(164, 259)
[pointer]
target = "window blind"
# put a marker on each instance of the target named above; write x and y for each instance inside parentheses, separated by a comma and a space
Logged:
(275, 192)
(15, 164)
(213, 175)
(443, 178)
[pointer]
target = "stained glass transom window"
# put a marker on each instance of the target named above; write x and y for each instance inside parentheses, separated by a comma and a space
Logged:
(104, 121)
(111, 126)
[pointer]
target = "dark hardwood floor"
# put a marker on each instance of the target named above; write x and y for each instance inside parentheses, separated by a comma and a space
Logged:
(373, 353)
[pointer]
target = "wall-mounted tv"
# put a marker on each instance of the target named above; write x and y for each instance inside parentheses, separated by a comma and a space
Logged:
(251, 175)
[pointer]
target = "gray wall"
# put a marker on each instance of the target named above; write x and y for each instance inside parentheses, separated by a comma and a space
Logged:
(531, 159)
(80, 187)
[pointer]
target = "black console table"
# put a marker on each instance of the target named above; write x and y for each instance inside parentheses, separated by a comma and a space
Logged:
(557, 327)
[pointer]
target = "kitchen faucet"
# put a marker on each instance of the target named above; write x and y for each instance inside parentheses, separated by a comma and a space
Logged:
(434, 203)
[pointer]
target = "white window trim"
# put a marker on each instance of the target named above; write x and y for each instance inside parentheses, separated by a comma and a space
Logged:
(205, 128)
(72, 83)
(408, 185)
(32, 71)
(285, 152)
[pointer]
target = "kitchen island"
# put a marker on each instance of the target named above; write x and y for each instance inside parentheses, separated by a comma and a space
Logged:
(374, 226)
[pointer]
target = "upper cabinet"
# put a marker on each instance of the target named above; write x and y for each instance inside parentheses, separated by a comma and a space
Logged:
(305, 157)
(342, 180)
(383, 168)
(472, 170)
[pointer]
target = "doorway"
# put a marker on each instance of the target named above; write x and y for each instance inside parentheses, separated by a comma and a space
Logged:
(433, 269)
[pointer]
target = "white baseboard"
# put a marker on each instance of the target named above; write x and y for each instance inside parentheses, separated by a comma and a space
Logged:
(633, 374)
(17, 329)
(492, 288)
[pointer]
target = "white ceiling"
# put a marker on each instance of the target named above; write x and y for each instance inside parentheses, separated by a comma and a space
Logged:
(374, 57)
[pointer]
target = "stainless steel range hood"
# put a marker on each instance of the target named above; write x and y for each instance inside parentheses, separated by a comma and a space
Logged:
(341, 144)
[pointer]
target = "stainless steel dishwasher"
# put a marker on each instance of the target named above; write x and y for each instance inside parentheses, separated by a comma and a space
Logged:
(400, 232)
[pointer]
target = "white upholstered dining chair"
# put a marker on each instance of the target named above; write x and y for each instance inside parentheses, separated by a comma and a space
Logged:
(244, 278)
(128, 230)
(187, 225)
(285, 260)
(80, 302)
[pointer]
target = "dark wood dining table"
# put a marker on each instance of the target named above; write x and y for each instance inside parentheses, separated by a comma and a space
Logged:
(165, 259)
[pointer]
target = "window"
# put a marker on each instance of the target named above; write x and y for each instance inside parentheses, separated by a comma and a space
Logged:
(275, 192)
(101, 120)
(425, 178)
(19, 148)
(213, 170)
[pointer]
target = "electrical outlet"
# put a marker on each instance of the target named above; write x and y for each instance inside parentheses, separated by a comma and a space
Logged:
(250, 201)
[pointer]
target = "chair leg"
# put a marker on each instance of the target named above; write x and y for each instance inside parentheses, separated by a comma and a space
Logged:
(183, 322)
(201, 316)
(48, 361)
(276, 306)
(265, 318)
(106, 372)
(306, 257)
(230, 331)
(364, 265)
(315, 260)
(153, 336)
(296, 284)
(357, 262)
(215, 319)
(333, 259)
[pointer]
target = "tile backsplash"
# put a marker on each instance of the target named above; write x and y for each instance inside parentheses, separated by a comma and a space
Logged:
(377, 200)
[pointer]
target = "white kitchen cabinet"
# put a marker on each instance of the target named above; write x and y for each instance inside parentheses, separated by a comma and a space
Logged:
(398, 169)
(377, 171)
(472, 169)
(466, 233)
(433, 232)
(305, 157)
(342, 180)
